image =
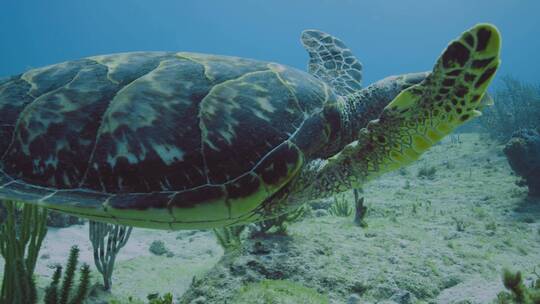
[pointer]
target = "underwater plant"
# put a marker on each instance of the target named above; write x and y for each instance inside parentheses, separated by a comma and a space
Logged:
(454, 139)
(153, 298)
(517, 106)
(278, 292)
(157, 299)
(229, 237)
(460, 223)
(67, 293)
(360, 210)
(21, 235)
(427, 172)
(107, 240)
(519, 292)
(278, 224)
(340, 207)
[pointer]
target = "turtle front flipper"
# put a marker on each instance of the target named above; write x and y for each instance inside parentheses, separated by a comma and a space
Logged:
(332, 61)
(423, 114)
(419, 116)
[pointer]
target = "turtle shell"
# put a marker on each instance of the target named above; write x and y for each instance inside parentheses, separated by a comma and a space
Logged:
(156, 138)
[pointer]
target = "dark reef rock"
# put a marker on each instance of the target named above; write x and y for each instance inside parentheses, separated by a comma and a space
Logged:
(61, 220)
(523, 154)
(275, 257)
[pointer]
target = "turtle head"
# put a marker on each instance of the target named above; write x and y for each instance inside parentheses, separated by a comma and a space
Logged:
(332, 62)
(359, 108)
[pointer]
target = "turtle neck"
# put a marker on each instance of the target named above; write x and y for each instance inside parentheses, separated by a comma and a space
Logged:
(361, 107)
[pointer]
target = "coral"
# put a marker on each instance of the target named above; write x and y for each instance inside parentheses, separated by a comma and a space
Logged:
(519, 293)
(278, 291)
(107, 240)
(84, 283)
(66, 293)
(21, 235)
(51, 293)
(523, 154)
(517, 106)
(158, 248)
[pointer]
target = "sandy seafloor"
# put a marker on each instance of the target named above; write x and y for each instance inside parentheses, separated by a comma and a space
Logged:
(412, 251)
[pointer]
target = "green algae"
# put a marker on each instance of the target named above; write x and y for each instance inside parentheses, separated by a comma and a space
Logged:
(278, 292)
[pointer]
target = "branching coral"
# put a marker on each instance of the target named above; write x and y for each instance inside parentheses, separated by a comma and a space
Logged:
(20, 242)
(519, 292)
(107, 240)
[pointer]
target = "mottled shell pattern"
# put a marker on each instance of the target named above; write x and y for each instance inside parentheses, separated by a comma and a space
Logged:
(159, 139)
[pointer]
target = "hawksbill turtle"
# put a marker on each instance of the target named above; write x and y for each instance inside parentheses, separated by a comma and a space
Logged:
(185, 140)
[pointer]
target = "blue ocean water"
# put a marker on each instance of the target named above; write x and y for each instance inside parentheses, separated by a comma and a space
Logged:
(439, 231)
(389, 37)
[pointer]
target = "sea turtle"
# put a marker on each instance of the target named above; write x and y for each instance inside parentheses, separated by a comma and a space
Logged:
(186, 140)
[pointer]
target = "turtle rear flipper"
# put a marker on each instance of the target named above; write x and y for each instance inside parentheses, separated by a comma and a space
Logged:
(419, 116)
(332, 61)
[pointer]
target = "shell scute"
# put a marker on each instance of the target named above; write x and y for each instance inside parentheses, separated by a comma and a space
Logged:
(149, 138)
(244, 119)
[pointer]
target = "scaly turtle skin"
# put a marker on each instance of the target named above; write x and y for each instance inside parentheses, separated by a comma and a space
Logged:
(186, 140)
